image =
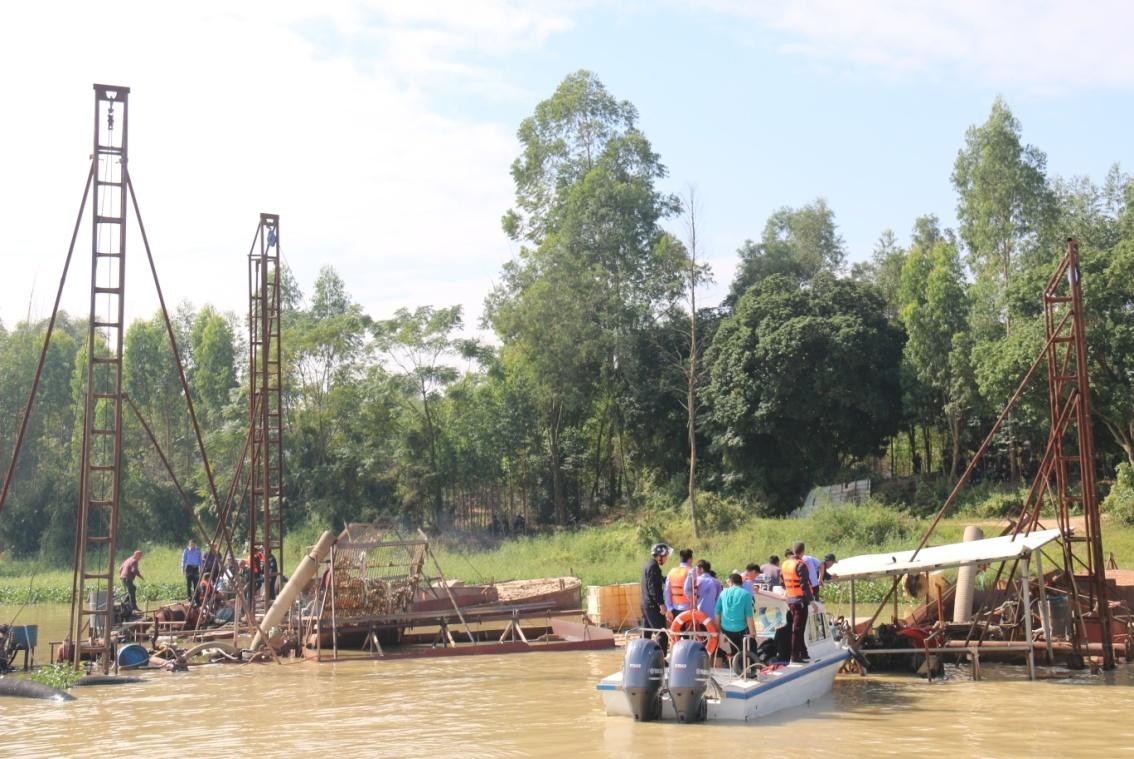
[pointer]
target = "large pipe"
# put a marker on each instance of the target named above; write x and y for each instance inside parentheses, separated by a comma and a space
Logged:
(300, 577)
(14, 686)
(966, 582)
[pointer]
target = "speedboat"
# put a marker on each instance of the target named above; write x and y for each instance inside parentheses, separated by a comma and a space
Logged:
(689, 688)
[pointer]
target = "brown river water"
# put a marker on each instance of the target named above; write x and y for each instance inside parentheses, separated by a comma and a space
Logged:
(547, 705)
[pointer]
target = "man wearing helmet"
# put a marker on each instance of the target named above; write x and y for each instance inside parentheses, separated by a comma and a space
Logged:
(653, 594)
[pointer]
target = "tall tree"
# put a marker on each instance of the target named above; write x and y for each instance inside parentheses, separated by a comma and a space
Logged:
(422, 344)
(803, 379)
(1003, 205)
(593, 263)
(935, 315)
(796, 242)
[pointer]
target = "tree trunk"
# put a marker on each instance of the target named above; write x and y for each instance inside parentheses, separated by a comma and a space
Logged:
(557, 495)
(955, 434)
(927, 444)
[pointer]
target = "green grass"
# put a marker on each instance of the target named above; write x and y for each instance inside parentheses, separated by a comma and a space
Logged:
(42, 581)
(598, 555)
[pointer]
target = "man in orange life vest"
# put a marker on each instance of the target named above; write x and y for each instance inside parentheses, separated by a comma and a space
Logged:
(797, 588)
(675, 599)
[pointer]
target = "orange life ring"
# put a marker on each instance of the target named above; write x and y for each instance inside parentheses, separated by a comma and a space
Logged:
(693, 620)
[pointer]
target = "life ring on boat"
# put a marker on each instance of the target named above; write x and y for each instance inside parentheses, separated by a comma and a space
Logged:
(692, 620)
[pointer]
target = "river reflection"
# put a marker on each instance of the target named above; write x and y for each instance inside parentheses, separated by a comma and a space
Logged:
(546, 705)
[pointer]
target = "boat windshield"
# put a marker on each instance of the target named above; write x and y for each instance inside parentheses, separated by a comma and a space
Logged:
(769, 617)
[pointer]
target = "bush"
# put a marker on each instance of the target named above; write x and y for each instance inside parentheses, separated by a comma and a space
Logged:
(869, 525)
(997, 506)
(717, 513)
(1119, 503)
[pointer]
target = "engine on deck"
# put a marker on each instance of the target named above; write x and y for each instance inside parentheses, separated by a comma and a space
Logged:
(688, 679)
(642, 670)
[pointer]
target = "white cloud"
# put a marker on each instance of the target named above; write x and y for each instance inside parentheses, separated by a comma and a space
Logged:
(1041, 45)
(325, 117)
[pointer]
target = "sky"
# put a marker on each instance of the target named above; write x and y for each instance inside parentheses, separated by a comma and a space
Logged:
(383, 132)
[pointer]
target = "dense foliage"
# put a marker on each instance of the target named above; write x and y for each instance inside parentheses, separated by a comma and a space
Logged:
(807, 373)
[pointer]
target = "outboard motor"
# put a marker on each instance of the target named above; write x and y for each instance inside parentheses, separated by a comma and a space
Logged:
(642, 669)
(688, 680)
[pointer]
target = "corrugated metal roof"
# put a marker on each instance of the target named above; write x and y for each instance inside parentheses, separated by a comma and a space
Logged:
(941, 557)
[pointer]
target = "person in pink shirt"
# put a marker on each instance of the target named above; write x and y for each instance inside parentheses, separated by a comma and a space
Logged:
(127, 572)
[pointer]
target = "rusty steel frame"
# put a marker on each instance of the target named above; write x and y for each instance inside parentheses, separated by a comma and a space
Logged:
(1070, 444)
(265, 407)
(101, 457)
(100, 480)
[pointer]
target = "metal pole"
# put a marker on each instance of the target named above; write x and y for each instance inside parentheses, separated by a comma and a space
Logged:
(1045, 611)
(334, 620)
(1026, 592)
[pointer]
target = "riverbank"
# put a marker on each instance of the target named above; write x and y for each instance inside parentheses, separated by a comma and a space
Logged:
(598, 555)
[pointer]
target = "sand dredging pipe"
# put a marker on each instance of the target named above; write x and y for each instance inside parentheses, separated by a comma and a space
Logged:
(21, 688)
(966, 582)
(300, 577)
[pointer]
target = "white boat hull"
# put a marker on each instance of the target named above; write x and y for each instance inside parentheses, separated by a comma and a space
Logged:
(771, 690)
(747, 700)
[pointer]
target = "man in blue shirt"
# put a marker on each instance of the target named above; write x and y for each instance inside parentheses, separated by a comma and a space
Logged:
(707, 588)
(733, 612)
(191, 567)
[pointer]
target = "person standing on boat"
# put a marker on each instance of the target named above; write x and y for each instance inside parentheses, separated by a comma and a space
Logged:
(772, 573)
(127, 572)
(703, 585)
(814, 570)
(654, 608)
(797, 588)
(675, 599)
(191, 567)
(749, 577)
(733, 612)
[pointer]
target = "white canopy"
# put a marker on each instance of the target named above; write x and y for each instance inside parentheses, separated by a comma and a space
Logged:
(942, 557)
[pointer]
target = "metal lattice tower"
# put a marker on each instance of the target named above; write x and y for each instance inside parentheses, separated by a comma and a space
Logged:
(101, 458)
(1071, 453)
(265, 522)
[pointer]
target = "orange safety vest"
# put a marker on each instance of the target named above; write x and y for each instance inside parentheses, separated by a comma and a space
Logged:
(792, 586)
(676, 580)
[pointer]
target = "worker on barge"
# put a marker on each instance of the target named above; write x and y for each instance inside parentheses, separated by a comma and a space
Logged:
(797, 588)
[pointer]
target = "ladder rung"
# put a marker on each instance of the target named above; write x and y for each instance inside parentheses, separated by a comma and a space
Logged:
(106, 396)
(108, 255)
(101, 468)
(101, 183)
(110, 219)
(101, 503)
(115, 325)
(1063, 339)
(105, 360)
(1057, 298)
(102, 430)
(109, 290)
(96, 576)
(98, 539)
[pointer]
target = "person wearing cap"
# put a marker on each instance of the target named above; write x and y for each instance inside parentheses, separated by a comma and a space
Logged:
(828, 562)
(127, 572)
(653, 606)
